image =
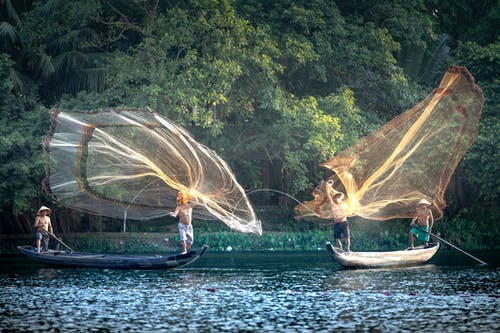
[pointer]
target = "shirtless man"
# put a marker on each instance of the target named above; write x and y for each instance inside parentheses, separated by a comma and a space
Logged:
(424, 222)
(43, 229)
(340, 223)
(185, 212)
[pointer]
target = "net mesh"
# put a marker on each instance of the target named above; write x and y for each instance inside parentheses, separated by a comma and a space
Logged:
(410, 158)
(131, 164)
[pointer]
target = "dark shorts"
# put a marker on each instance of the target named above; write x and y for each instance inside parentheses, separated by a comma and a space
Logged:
(341, 229)
(44, 237)
(38, 235)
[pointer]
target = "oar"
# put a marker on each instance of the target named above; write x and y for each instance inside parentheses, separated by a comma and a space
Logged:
(60, 241)
(455, 247)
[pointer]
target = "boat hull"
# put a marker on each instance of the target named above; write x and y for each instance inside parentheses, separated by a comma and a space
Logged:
(111, 261)
(414, 257)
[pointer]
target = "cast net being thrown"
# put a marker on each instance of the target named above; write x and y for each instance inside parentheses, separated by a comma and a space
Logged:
(410, 158)
(131, 164)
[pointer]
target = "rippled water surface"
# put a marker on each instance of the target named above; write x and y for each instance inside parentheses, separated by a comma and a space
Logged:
(254, 292)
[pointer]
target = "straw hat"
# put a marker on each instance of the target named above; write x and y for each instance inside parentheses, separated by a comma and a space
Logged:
(42, 209)
(424, 202)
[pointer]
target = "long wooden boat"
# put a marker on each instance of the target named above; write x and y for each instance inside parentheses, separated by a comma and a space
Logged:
(111, 261)
(417, 256)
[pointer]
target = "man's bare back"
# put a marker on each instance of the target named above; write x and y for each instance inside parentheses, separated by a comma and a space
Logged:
(423, 216)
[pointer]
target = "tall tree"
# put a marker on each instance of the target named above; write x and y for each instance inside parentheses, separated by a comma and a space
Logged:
(322, 51)
(21, 166)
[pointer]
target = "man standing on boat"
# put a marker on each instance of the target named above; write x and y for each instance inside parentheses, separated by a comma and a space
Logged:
(185, 213)
(421, 224)
(340, 223)
(43, 229)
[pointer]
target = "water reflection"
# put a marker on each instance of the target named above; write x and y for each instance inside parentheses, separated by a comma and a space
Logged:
(277, 292)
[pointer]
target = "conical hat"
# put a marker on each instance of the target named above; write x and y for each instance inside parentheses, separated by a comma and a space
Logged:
(424, 202)
(44, 208)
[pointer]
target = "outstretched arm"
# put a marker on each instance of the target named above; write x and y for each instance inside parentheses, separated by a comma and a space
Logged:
(174, 213)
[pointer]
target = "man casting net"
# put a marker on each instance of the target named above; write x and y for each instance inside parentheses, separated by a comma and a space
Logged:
(132, 163)
(412, 157)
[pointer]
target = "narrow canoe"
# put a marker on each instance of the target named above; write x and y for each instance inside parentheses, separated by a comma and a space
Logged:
(417, 256)
(111, 261)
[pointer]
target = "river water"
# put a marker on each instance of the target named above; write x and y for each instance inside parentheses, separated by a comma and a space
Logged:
(254, 292)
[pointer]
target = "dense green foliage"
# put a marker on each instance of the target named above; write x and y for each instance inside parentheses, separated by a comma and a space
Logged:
(377, 236)
(274, 87)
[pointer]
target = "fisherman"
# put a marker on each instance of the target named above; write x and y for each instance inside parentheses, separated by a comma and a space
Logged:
(421, 224)
(43, 229)
(340, 223)
(185, 213)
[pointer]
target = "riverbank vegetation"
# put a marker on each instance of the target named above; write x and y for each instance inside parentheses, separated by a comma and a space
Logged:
(274, 87)
(366, 236)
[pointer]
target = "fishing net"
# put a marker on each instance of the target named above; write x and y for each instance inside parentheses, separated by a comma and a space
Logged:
(410, 158)
(131, 164)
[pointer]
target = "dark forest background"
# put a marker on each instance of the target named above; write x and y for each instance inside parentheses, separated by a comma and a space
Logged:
(274, 87)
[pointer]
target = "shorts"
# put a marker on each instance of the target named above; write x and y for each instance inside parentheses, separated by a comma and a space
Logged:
(420, 233)
(186, 232)
(38, 235)
(340, 229)
(44, 237)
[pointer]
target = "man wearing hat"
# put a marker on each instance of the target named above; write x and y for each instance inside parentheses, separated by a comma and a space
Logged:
(422, 223)
(43, 229)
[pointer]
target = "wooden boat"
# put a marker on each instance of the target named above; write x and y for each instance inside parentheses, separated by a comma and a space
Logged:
(112, 261)
(413, 257)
